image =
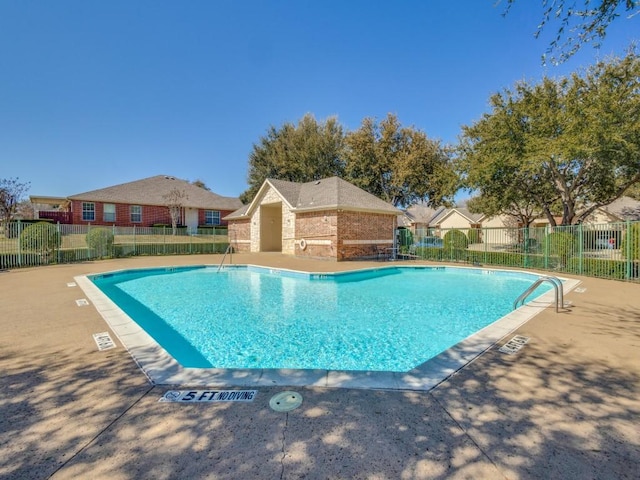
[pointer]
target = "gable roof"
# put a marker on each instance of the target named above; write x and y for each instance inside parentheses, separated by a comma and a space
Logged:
(472, 218)
(624, 208)
(331, 193)
(150, 191)
(420, 213)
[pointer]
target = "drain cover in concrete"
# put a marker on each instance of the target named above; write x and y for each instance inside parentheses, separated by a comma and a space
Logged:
(285, 401)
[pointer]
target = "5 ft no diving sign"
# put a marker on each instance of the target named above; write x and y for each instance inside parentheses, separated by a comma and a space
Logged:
(198, 396)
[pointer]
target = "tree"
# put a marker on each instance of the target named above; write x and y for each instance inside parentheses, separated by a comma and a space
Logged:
(308, 151)
(590, 23)
(175, 201)
(568, 146)
(199, 183)
(522, 211)
(11, 193)
(634, 191)
(399, 165)
(25, 210)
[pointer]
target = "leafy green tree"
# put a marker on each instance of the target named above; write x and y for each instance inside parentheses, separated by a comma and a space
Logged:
(567, 146)
(589, 23)
(522, 211)
(634, 191)
(308, 151)
(399, 165)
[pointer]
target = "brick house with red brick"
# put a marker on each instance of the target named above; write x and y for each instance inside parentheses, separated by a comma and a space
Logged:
(328, 218)
(143, 203)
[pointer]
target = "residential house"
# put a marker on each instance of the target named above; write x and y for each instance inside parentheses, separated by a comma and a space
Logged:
(459, 218)
(144, 203)
(620, 210)
(418, 217)
(328, 218)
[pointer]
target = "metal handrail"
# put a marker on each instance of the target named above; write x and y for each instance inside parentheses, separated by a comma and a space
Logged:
(557, 286)
(229, 250)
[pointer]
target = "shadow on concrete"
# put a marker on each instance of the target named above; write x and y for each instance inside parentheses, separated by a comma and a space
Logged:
(536, 414)
(53, 403)
(334, 434)
(541, 414)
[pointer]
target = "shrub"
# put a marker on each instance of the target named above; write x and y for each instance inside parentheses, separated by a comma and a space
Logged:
(474, 235)
(560, 244)
(405, 237)
(40, 237)
(630, 246)
(101, 241)
(455, 240)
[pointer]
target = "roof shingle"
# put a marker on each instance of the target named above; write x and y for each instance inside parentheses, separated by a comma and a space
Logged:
(151, 191)
(325, 194)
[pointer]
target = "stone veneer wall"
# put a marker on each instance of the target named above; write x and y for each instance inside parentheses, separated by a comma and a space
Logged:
(271, 197)
(240, 235)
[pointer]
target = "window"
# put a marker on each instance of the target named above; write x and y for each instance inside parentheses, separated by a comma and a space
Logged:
(88, 211)
(212, 217)
(109, 213)
(136, 213)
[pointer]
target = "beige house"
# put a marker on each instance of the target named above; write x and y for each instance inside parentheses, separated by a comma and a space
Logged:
(456, 218)
(418, 217)
(328, 218)
(620, 210)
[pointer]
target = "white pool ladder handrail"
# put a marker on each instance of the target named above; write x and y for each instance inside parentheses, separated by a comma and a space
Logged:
(229, 250)
(557, 286)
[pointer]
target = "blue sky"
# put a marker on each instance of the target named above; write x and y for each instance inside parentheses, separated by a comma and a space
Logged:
(97, 93)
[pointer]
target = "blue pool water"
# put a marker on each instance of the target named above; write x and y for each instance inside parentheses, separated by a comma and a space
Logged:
(390, 319)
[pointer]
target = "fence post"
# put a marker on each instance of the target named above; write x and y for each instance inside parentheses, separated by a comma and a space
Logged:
(546, 247)
(87, 243)
(59, 243)
(486, 242)
(526, 246)
(19, 241)
(628, 250)
(135, 248)
(164, 239)
(580, 249)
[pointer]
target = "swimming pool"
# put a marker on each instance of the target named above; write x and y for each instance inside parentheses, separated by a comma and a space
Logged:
(267, 320)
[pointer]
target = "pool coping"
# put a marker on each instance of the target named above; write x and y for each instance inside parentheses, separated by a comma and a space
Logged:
(162, 369)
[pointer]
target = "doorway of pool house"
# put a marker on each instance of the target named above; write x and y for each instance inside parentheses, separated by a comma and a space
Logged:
(271, 227)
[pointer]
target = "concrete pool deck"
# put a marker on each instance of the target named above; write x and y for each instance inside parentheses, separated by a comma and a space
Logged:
(567, 405)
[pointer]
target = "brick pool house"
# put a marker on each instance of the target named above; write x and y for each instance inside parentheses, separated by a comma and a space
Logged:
(329, 219)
